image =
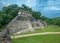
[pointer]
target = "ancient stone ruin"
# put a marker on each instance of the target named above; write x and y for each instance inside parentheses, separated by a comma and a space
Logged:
(5, 36)
(24, 22)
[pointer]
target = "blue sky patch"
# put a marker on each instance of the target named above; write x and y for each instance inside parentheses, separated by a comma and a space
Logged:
(48, 8)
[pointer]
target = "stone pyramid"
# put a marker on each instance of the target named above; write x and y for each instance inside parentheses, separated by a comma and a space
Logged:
(24, 22)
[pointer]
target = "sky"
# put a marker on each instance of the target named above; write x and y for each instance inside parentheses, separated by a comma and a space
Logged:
(48, 8)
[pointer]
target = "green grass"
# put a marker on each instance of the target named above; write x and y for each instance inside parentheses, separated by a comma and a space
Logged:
(51, 28)
(52, 38)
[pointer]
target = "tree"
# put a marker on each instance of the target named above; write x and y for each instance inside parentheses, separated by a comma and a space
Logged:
(37, 15)
(25, 7)
(8, 13)
(57, 21)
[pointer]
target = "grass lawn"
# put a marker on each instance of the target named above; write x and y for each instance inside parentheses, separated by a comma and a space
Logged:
(52, 38)
(51, 28)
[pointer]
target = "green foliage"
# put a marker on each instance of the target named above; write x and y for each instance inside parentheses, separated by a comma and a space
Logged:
(8, 13)
(37, 15)
(25, 7)
(52, 38)
(54, 21)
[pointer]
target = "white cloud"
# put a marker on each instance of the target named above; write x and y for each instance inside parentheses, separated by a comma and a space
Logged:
(51, 8)
(31, 3)
(54, 8)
